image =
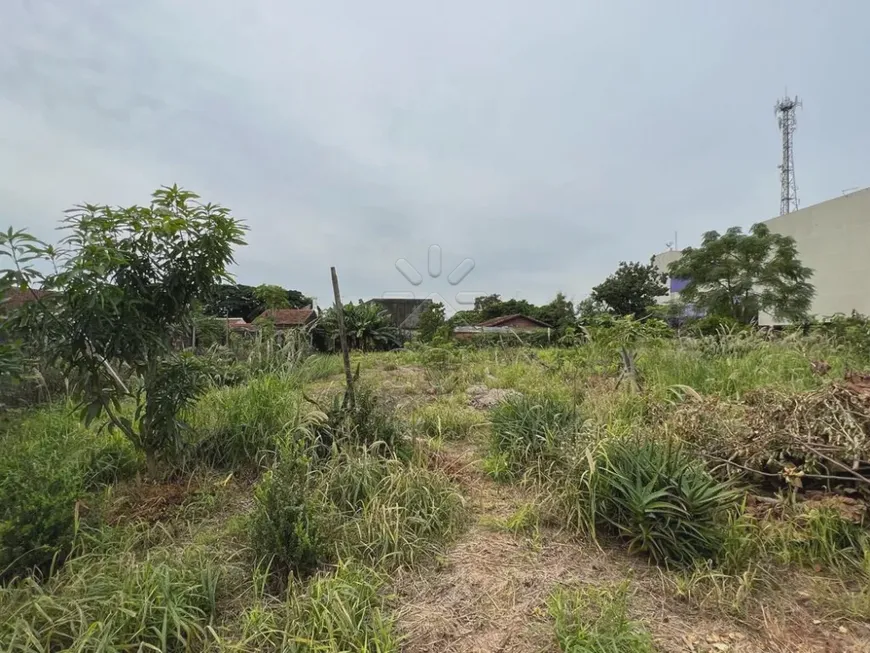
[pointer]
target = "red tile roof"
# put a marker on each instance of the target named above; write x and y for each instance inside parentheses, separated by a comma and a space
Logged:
(504, 320)
(289, 316)
(17, 297)
(238, 324)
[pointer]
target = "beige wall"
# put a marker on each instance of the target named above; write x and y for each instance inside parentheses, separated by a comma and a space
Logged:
(662, 261)
(833, 238)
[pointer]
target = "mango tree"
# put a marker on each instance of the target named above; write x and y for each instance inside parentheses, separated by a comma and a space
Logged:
(121, 286)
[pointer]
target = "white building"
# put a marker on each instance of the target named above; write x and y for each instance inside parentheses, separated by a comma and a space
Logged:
(833, 239)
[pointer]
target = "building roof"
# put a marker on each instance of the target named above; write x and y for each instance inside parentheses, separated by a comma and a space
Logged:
(413, 320)
(400, 308)
(18, 297)
(286, 317)
(505, 319)
(238, 324)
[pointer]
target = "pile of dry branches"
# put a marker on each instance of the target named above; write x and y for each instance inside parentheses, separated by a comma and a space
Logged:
(822, 435)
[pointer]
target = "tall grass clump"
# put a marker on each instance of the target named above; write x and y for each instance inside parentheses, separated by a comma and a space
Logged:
(111, 602)
(277, 352)
(51, 461)
(525, 427)
(249, 423)
(340, 612)
(819, 536)
(370, 423)
(595, 620)
(388, 512)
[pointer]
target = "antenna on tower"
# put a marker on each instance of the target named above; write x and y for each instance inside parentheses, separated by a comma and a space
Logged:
(785, 114)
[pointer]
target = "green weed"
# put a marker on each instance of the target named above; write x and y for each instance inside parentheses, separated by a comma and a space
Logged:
(657, 496)
(595, 620)
(286, 534)
(446, 421)
(248, 424)
(371, 423)
(50, 462)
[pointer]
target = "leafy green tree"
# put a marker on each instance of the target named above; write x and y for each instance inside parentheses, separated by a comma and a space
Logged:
(431, 319)
(125, 282)
(492, 306)
(270, 296)
(464, 318)
(559, 313)
(739, 275)
(239, 300)
(631, 289)
(590, 309)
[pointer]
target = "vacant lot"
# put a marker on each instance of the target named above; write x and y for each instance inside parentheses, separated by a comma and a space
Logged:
(629, 493)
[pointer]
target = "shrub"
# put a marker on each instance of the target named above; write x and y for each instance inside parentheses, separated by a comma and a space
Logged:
(50, 462)
(285, 532)
(369, 423)
(595, 620)
(537, 338)
(342, 612)
(714, 325)
(117, 602)
(37, 522)
(525, 427)
(661, 499)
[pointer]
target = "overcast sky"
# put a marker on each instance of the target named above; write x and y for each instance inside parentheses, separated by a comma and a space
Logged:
(545, 141)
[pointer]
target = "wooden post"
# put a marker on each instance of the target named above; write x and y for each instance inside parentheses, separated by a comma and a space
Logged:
(342, 334)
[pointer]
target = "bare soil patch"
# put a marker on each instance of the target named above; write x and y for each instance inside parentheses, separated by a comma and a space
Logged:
(488, 594)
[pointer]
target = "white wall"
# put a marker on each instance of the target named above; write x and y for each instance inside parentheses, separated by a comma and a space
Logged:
(833, 238)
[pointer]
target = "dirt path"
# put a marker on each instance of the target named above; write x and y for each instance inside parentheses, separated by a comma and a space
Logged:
(489, 593)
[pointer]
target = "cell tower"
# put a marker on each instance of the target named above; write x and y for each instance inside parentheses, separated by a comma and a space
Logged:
(785, 113)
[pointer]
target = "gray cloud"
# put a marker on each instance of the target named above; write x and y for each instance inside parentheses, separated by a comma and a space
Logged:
(546, 141)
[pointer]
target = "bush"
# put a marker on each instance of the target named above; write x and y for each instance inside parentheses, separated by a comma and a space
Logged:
(661, 499)
(50, 462)
(714, 325)
(537, 338)
(595, 620)
(37, 522)
(285, 532)
(525, 427)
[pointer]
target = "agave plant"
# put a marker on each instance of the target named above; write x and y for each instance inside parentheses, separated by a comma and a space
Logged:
(662, 500)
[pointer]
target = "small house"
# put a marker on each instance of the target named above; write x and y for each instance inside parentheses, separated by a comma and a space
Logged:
(503, 324)
(289, 318)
